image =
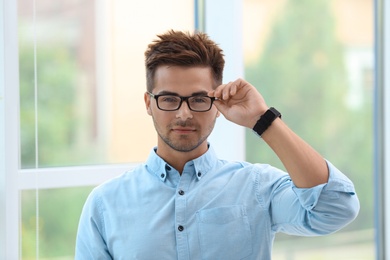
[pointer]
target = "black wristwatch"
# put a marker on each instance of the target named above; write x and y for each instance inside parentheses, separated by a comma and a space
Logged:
(266, 120)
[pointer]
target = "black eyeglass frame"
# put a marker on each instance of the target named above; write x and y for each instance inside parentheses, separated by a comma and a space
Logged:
(181, 101)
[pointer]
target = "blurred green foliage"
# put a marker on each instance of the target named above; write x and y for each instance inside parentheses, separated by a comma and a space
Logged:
(59, 212)
(56, 75)
(302, 73)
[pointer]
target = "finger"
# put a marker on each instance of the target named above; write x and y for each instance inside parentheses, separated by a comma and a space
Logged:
(229, 90)
(233, 90)
(217, 91)
(241, 84)
(225, 91)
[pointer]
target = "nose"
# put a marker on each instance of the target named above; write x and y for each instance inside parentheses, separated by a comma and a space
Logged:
(184, 112)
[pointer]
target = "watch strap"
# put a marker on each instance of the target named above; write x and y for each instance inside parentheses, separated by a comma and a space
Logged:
(266, 120)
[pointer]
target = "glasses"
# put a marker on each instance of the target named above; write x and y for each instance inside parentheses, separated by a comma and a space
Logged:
(169, 102)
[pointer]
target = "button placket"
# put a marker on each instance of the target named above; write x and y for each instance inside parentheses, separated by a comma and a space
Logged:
(180, 213)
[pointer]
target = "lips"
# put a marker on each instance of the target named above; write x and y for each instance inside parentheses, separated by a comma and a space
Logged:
(183, 127)
(183, 130)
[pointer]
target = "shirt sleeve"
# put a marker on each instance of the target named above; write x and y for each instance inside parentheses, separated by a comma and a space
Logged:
(319, 210)
(90, 242)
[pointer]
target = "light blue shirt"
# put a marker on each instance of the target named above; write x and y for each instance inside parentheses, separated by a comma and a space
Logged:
(215, 210)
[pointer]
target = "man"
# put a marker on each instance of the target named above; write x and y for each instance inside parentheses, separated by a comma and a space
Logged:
(184, 202)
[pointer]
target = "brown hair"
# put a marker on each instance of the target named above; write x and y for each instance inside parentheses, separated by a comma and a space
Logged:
(183, 49)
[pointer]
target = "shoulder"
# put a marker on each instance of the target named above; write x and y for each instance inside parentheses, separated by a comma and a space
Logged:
(122, 182)
(265, 171)
(261, 175)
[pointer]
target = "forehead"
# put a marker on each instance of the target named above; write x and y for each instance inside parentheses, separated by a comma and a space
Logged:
(183, 80)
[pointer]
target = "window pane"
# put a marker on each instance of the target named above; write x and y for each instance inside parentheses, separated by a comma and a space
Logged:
(62, 36)
(311, 62)
(59, 212)
(85, 60)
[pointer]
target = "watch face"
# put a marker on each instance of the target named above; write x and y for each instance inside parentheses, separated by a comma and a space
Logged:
(275, 112)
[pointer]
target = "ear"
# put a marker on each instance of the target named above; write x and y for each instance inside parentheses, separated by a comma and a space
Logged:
(218, 113)
(147, 103)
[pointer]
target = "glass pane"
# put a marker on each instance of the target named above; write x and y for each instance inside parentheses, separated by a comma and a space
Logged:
(84, 59)
(311, 62)
(59, 212)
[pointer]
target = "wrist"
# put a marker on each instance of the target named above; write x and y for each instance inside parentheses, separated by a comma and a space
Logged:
(266, 120)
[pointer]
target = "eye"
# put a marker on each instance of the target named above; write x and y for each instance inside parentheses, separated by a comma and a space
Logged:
(169, 99)
(199, 99)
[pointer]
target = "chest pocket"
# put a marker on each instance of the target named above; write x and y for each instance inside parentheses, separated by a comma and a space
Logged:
(224, 233)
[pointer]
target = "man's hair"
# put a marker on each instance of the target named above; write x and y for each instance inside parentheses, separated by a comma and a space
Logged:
(176, 48)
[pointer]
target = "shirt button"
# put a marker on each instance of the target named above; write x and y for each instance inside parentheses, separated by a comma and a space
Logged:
(167, 167)
(162, 175)
(180, 228)
(199, 174)
(181, 192)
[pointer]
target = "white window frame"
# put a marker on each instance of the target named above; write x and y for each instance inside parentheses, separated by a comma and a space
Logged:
(13, 179)
(382, 127)
(9, 129)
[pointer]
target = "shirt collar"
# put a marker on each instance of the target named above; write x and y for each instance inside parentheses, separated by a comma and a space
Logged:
(202, 164)
(205, 163)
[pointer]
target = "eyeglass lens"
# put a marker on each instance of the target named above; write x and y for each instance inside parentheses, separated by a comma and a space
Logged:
(196, 103)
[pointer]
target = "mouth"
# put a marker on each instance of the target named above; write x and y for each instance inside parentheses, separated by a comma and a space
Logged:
(183, 130)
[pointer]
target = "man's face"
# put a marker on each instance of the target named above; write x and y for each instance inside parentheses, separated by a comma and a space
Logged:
(182, 130)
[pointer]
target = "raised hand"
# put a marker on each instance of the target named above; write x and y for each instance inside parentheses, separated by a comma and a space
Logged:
(239, 102)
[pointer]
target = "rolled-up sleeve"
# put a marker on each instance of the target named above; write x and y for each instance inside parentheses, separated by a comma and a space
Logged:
(319, 210)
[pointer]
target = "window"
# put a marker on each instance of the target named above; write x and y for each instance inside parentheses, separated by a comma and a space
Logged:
(76, 69)
(82, 118)
(309, 61)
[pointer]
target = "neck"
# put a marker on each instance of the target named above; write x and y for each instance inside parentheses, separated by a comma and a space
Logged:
(178, 159)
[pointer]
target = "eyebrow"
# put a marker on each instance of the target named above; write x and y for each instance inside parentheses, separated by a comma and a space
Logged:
(199, 93)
